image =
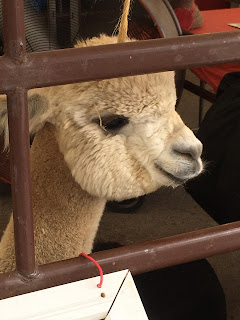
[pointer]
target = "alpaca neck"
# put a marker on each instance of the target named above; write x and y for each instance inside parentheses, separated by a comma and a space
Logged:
(66, 218)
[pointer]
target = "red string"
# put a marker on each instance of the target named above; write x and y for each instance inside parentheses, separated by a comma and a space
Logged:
(98, 266)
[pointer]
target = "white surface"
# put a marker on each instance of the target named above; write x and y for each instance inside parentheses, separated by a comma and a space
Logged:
(80, 300)
(128, 305)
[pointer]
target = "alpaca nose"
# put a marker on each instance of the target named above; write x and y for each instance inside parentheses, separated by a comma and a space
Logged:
(193, 150)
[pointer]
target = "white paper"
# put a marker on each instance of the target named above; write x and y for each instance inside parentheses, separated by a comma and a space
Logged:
(236, 25)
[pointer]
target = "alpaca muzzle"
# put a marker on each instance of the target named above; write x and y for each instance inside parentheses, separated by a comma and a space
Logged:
(181, 161)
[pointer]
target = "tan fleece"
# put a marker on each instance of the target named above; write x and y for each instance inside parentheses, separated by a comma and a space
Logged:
(65, 217)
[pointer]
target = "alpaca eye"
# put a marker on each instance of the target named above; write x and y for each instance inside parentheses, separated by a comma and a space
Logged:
(116, 123)
(111, 122)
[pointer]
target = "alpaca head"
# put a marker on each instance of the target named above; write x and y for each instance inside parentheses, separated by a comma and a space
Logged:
(122, 138)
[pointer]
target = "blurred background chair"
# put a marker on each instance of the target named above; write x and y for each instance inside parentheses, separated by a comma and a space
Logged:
(213, 21)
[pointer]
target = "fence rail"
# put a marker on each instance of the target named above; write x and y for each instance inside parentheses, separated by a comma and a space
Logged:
(21, 71)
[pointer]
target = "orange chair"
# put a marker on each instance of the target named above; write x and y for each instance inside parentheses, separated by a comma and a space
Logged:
(214, 21)
(217, 21)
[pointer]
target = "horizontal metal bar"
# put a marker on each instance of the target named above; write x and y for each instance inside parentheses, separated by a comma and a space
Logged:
(21, 181)
(138, 258)
(204, 93)
(139, 57)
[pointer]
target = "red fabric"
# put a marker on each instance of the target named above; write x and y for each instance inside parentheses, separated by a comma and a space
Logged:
(185, 18)
(214, 74)
(217, 21)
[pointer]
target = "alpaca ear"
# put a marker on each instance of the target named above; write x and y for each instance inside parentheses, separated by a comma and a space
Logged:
(39, 114)
(123, 28)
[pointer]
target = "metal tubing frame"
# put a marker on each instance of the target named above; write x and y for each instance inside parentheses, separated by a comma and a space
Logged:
(21, 181)
(18, 74)
(200, 91)
(139, 258)
(126, 59)
(15, 49)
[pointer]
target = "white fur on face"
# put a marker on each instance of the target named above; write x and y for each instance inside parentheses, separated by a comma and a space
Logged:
(151, 150)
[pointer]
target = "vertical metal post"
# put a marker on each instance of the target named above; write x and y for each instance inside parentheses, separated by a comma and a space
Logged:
(13, 28)
(201, 103)
(21, 183)
(15, 48)
(75, 19)
(52, 24)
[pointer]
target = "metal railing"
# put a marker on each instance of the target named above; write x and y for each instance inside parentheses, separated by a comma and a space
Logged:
(20, 71)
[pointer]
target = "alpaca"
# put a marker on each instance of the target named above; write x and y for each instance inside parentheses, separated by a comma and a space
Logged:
(101, 140)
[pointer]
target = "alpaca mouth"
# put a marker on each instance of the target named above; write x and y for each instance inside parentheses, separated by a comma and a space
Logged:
(176, 180)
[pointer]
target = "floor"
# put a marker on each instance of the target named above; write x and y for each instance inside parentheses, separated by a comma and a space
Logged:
(164, 213)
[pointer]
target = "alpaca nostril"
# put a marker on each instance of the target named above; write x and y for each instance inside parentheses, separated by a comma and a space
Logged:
(193, 151)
